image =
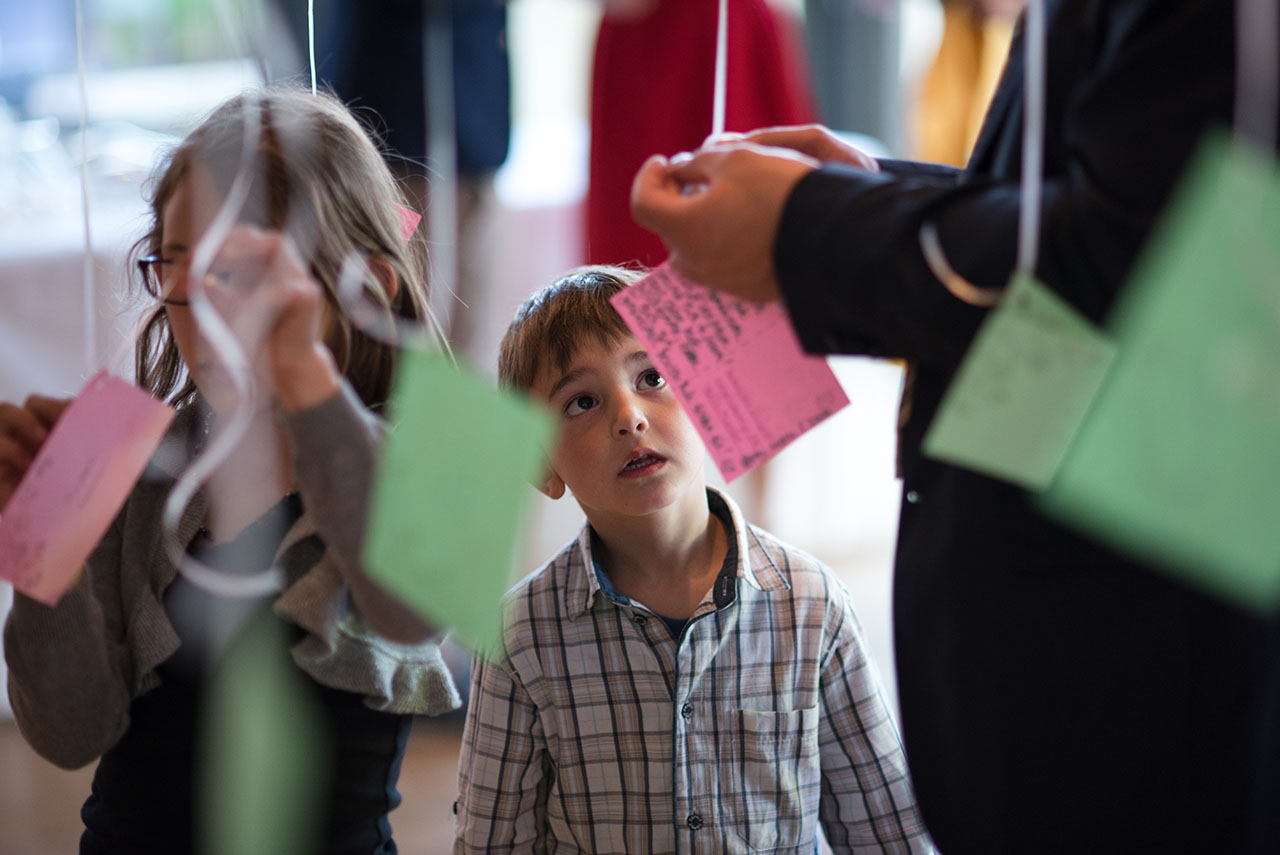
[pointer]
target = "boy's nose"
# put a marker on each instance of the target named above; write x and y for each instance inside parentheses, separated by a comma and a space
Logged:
(630, 418)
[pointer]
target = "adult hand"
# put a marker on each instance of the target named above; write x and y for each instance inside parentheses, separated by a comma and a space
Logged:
(718, 212)
(283, 317)
(22, 431)
(816, 141)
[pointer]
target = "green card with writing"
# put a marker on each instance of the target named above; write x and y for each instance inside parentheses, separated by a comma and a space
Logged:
(451, 490)
(264, 757)
(1023, 389)
(1179, 460)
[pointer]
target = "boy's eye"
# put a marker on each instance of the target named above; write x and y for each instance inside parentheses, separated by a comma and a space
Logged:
(651, 379)
(579, 404)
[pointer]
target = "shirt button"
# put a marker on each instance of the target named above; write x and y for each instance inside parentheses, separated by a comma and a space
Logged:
(913, 497)
(694, 822)
(640, 620)
(687, 711)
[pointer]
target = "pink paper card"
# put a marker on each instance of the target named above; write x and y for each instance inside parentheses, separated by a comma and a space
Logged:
(409, 220)
(736, 367)
(77, 484)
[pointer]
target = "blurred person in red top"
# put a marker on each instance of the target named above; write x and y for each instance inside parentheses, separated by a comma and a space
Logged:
(652, 89)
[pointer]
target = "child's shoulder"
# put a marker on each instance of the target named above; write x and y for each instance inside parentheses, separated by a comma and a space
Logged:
(550, 583)
(541, 611)
(796, 584)
(803, 573)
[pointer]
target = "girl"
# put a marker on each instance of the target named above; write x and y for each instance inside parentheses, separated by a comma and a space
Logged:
(117, 669)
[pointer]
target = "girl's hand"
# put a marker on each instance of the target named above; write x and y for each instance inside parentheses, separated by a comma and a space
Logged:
(22, 431)
(281, 318)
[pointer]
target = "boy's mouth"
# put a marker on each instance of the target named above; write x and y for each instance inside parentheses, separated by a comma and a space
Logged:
(641, 461)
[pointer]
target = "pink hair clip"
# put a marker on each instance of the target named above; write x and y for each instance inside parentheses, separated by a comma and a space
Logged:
(409, 220)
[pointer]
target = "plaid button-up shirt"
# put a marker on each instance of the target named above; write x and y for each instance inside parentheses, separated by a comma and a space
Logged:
(598, 731)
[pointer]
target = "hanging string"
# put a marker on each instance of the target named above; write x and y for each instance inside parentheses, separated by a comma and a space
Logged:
(258, 311)
(377, 321)
(1257, 72)
(90, 302)
(218, 334)
(311, 41)
(235, 425)
(214, 330)
(1032, 139)
(1257, 109)
(442, 150)
(1035, 41)
(720, 86)
(234, 31)
(239, 41)
(961, 288)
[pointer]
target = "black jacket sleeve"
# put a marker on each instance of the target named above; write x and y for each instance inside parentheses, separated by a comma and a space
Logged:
(1131, 89)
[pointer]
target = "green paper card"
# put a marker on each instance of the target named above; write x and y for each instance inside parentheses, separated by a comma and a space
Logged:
(264, 761)
(453, 484)
(1023, 389)
(1179, 461)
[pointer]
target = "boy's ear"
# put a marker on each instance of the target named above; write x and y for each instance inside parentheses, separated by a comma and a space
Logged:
(552, 485)
(386, 275)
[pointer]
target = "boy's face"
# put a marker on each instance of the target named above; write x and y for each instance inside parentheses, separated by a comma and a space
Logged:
(624, 446)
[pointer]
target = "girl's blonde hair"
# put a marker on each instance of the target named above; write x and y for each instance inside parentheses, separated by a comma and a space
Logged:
(318, 176)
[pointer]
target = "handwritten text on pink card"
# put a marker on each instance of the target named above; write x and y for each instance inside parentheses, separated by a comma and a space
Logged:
(77, 484)
(736, 367)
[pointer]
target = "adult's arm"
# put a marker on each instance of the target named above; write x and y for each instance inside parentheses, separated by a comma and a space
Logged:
(1133, 89)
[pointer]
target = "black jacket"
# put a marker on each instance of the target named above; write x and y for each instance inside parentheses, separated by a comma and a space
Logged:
(1055, 696)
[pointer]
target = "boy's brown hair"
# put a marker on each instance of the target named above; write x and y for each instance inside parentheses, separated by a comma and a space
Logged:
(554, 321)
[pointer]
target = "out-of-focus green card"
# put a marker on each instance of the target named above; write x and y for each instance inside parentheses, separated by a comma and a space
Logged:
(265, 753)
(1023, 389)
(451, 491)
(1179, 461)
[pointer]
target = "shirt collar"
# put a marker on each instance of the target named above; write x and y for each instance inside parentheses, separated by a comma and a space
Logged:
(755, 565)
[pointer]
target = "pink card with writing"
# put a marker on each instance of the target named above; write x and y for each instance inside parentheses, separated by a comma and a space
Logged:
(77, 484)
(736, 367)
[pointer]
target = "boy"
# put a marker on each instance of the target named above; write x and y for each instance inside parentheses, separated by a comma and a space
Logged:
(674, 679)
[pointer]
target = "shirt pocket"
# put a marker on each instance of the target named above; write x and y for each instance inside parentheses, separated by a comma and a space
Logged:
(771, 781)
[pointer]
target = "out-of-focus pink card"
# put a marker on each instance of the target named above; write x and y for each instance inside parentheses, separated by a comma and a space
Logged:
(409, 220)
(736, 367)
(77, 484)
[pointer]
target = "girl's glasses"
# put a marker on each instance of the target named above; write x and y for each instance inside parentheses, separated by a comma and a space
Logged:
(155, 270)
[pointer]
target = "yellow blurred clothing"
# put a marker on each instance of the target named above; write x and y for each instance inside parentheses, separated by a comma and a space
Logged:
(960, 83)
